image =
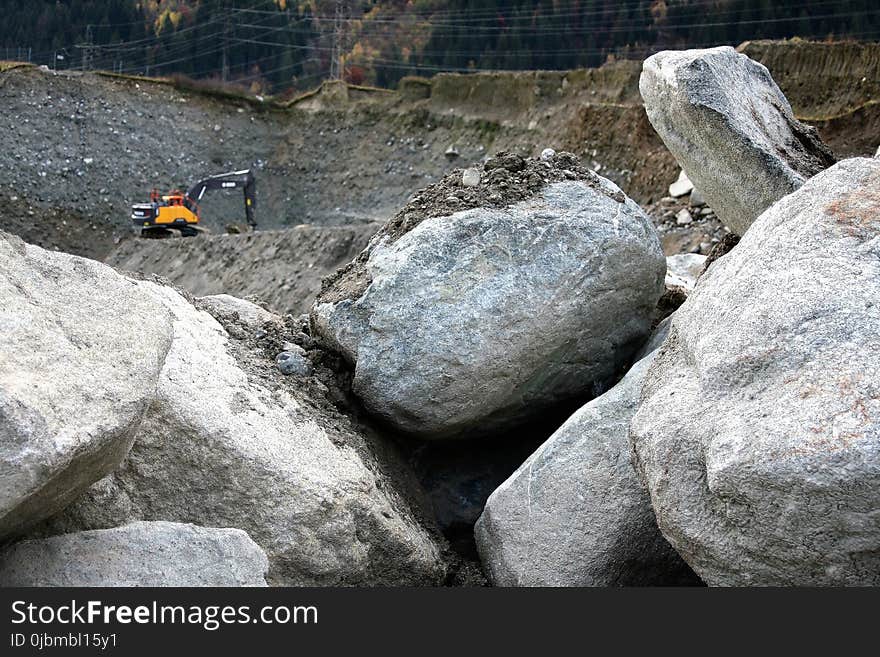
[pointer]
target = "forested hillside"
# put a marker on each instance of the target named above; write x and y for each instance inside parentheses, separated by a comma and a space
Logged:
(273, 45)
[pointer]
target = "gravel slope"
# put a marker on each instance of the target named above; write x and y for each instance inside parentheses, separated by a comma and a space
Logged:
(282, 268)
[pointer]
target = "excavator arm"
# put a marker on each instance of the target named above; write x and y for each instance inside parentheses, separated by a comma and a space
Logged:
(233, 180)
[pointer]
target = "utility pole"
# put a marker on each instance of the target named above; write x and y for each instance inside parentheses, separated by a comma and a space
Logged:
(336, 71)
(86, 48)
(225, 66)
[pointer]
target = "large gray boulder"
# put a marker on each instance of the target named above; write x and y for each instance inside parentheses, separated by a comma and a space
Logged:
(139, 554)
(758, 434)
(475, 320)
(731, 129)
(81, 348)
(575, 513)
(229, 441)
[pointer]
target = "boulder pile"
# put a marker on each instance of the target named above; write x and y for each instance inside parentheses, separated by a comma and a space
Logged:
(723, 408)
(188, 421)
(748, 436)
(575, 514)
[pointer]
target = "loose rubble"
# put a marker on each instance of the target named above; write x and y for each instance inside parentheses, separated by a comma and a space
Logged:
(685, 224)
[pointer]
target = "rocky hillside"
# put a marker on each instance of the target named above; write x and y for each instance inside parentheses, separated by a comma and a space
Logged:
(78, 149)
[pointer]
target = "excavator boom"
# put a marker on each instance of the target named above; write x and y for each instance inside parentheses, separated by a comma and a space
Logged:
(235, 179)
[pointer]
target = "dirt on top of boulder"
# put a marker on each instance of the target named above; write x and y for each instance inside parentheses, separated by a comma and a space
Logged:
(501, 181)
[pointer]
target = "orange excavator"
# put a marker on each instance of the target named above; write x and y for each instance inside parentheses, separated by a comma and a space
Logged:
(177, 213)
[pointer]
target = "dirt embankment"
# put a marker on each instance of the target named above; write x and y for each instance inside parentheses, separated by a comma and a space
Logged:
(283, 268)
(833, 86)
(821, 80)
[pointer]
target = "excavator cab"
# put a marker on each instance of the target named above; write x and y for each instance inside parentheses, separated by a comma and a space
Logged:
(178, 213)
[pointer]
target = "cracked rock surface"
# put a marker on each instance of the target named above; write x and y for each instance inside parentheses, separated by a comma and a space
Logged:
(758, 433)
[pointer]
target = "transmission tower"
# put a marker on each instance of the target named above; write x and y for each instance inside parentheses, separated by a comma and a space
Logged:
(225, 65)
(336, 68)
(87, 48)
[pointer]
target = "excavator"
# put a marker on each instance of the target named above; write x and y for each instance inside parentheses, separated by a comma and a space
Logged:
(177, 213)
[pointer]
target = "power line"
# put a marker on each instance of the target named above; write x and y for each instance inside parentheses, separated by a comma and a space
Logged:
(180, 52)
(532, 50)
(573, 10)
(571, 21)
(338, 36)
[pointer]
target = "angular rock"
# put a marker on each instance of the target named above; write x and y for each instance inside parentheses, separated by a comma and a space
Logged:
(230, 442)
(470, 178)
(683, 270)
(476, 320)
(293, 362)
(758, 434)
(731, 129)
(80, 354)
(249, 313)
(575, 513)
(681, 186)
(139, 554)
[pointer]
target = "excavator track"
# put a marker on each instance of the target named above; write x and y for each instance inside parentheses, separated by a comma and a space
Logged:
(172, 231)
